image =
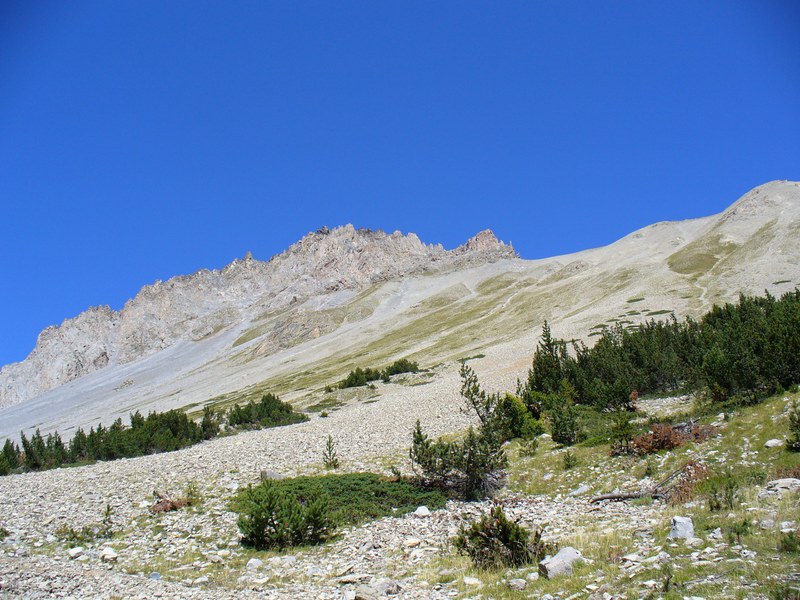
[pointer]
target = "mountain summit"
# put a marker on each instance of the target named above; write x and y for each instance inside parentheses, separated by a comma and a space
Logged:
(190, 308)
(346, 297)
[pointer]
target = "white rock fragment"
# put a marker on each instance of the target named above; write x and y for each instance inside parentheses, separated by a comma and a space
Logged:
(773, 443)
(75, 552)
(108, 554)
(561, 563)
(517, 584)
(682, 528)
(422, 511)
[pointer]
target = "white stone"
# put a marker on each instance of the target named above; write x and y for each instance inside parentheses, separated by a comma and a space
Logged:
(682, 528)
(580, 490)
(561, 563)
(773, 443)
(75, 552)
(517, 584)
(422, 511)
(473, 581)
(108, 555)
(254, 563)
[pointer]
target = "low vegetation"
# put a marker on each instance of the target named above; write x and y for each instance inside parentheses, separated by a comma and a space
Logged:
(359, 377)
(308, 510)
(496, 542)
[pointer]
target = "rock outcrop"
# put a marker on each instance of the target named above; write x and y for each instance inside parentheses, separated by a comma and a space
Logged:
(193, 307)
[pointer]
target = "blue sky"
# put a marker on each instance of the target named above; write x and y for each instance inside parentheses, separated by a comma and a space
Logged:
(141, 140)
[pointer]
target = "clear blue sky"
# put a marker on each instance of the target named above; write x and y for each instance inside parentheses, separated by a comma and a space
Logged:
(145, 139)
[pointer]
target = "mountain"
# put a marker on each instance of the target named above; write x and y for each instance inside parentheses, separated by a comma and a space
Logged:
(346, 297)
(195, 307)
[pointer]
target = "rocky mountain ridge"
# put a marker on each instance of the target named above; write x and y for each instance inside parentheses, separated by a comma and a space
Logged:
(344, 298)
(193, 307)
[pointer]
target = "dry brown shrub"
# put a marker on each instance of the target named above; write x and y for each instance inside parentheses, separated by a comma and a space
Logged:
(788, 472)
(661, 436)
(168, 504)
(701, 433)
(683, 491)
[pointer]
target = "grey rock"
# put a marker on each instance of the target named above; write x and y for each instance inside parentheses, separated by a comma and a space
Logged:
(561, 563)
(788, 484)
(75, 552)
(773, 443)
(682, 528)
(364, 592)
(270, 475)
(517, 584)
(386, 587)
(108, 554)
(580, 490)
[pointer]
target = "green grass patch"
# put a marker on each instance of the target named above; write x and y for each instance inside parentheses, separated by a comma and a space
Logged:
(327, 403)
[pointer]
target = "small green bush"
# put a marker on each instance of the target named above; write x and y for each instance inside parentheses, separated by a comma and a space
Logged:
(622, 431)
(329, 457)
(209, 423)
(737, 530)
(529, 447)
(192, 494)
(359, 377)
(569, 460)
(721, 492)
(402, 365)
(495, 542)
(270, 411)
(470, 466)
(564, 427)
(793, 443)
(89, 533)
(272, 518)
(789, 542)
(513, 420)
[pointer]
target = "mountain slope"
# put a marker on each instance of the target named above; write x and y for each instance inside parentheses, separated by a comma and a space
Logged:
(342, 298)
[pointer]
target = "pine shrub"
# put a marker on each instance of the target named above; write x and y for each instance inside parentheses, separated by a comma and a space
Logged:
(471, 466)
(496, 542)
(329, 457)
(271, 518)
(793, 443)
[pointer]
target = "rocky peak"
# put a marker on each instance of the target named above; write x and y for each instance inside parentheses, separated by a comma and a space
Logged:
(486, 242)
(193, 307)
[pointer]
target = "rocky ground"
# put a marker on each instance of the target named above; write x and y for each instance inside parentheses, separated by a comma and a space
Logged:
(195, 552)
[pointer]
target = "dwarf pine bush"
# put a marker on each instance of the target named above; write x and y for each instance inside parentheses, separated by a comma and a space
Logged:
(496, 542)
(271, 518)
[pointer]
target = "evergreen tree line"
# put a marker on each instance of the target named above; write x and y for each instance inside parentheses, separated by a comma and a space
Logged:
(158, 432)
(746, 350)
